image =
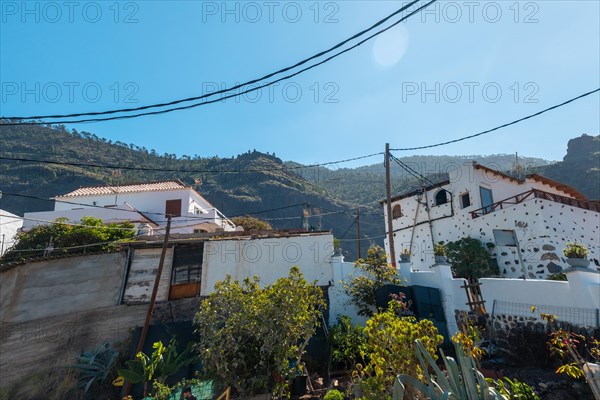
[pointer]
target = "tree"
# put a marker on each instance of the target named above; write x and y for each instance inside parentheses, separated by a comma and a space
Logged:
(61, 237)
(470, 259)
(252, 223)
(375, 273)
(249, 337)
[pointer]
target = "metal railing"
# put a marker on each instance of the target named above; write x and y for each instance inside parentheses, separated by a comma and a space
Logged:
(537, 194)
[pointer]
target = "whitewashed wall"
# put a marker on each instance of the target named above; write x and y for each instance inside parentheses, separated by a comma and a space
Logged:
(9, 226)
(269, 259)
(543, 227)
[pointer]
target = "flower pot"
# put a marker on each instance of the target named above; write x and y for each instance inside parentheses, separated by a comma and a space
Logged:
(578, 262)
(299, 385)
(440, 259)
(404, 257)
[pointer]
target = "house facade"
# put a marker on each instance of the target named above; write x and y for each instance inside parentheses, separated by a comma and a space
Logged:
(528, 220)
(145, 204)
(10, 224)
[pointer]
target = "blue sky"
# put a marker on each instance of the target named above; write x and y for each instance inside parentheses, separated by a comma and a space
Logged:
(460, 68)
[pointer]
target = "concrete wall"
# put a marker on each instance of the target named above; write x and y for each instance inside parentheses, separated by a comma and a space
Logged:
(33, 346)
(45, 288)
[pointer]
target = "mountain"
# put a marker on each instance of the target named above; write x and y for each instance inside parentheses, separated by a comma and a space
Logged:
(253, 183)
(580, 168)
(250, 183)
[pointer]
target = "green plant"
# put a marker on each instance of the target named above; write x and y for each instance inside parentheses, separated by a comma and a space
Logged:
(94, 366)
(237, 343)
(390, 348)
(462, 380)
(575, 250)
(347, 342)
(406, 251)
(558, 276)
(375, 273)
(252, 223)
(470, 259)
(439, 249)
(334, 394)
(162, 363)
(89, 235)
(512, 389)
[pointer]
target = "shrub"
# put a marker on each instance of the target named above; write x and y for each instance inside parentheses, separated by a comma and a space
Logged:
(390, 347)
(334, 395)
(347, 342)
(470, 259)
(376, 273)
(238, 344)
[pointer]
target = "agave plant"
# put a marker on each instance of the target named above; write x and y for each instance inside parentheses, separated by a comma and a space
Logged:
(94, 366)
(462, 380)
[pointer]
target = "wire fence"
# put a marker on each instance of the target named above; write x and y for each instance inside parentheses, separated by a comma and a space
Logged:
(583, 317)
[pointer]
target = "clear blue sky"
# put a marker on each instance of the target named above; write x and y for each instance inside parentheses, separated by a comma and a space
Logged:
(55, 56)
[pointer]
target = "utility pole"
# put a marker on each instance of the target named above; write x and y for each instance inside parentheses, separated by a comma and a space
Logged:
(388, 191)
(150, 311)
(358, 230)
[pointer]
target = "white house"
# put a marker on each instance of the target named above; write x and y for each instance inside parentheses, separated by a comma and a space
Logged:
(10, 224)
(145, 204)
(528, 219)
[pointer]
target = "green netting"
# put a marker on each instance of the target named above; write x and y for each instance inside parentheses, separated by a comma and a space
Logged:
(202, 391)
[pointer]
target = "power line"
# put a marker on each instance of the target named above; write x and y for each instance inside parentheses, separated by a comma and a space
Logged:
(500, 126)
(251, 82)
(235, 94)
(188, 217)
(114, 228)
(231, 171)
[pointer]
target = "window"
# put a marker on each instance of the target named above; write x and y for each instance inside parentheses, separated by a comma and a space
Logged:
(486, 199)
(187, 272)
(173, 208)
(441, 197)
(396, 211)
(465, 200)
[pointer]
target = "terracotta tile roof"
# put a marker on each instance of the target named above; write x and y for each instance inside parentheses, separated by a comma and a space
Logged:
(557, 185)
(126, 188)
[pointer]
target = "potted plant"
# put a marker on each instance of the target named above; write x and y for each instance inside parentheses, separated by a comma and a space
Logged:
(439, 251)
(577, 254)
(405, 255)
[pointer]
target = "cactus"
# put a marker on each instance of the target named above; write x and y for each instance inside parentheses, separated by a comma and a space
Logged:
(462, 380)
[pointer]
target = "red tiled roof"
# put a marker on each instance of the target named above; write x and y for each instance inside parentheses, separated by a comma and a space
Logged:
(558, 185)
(127, 188)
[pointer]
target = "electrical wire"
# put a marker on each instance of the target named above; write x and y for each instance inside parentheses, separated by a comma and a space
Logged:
(238, 171)
(229, 96)
(500, 126)
(251, 82)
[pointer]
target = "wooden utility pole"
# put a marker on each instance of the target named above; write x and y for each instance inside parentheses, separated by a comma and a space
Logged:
(358, 230)
(150, 311)
(388, 191)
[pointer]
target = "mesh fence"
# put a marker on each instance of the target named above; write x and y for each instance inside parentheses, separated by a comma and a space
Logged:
(584, 317)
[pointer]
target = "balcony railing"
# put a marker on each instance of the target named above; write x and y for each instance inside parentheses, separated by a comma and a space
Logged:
(538, 194)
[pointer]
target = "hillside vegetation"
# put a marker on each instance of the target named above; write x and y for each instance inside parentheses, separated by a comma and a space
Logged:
(249, 183)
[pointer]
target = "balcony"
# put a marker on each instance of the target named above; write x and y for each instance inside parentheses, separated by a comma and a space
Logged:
(536, 194)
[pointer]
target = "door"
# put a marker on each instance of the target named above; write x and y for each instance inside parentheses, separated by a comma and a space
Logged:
(486, 199)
